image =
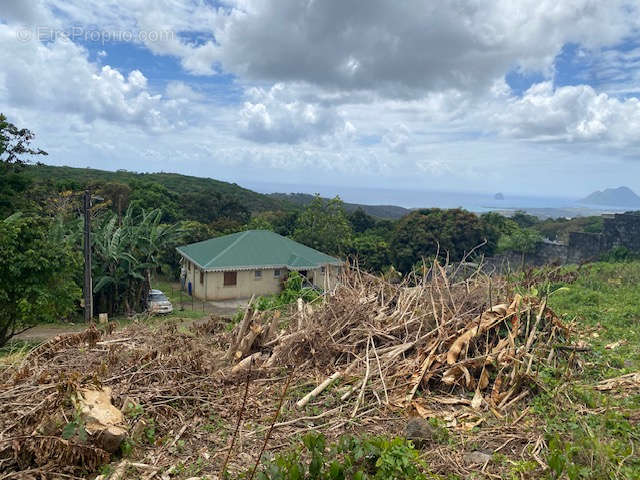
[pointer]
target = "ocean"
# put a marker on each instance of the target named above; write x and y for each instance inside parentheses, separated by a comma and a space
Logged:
(475, 202)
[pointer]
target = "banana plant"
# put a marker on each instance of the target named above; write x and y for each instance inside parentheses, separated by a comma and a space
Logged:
(126, 252)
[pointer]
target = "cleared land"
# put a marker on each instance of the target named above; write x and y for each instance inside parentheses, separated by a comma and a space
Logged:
(534, 376)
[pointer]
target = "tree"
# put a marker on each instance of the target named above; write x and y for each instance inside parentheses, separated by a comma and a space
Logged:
(522, 240)
(361, 221)
(427, 232)
(14, 146)
(15, 143)
(280, 222)
(323, 225)
(495, 225)
(117, 194)
(524, 220)
(209, 207)
(37, 284)
(371, 251)
(151, 195)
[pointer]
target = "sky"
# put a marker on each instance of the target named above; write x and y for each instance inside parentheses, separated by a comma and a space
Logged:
(529, 97)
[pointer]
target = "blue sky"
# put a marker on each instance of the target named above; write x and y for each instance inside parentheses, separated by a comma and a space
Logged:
(519, 97)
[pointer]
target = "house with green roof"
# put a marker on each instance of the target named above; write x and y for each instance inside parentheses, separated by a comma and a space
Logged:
(254, 262)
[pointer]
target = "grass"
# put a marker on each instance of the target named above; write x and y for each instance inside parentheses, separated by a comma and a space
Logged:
(178, 299)
(15, 351)
(592, 434)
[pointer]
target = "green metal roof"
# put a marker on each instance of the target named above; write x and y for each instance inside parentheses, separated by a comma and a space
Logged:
(254, 249)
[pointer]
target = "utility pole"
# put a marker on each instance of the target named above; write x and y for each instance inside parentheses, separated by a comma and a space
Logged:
(88, 285)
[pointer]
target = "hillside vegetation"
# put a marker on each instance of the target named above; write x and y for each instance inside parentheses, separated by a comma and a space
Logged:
(378, 211)
(78, 178)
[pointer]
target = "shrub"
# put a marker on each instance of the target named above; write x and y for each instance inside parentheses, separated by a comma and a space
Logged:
(350, 458)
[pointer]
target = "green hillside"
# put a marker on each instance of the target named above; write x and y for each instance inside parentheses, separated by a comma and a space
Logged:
(379, 211)
(79, 178)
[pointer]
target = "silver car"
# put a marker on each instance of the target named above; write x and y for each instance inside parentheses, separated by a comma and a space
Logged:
(158, 302)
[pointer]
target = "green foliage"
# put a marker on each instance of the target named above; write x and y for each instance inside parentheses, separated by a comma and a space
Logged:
(76, 427)
(559, 228)
(117, 196)
(294, 288)
(207, 207)
(524, 220)
(361, 221)
(191, 232)
(378, 211)
(324, 226)
(522, 240)
(38, 283)
(281, 222)
(619, 254)
(150, 432)
(593, 435)
(14, 147)
(150, 196)
(496, 225)
(15, 143)
(427, 232)
(372, 252)
(126, 448)
(126, 253)
(177, 185)
(350, 458)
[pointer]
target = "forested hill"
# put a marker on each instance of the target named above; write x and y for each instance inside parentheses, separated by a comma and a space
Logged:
(188, 189)
(392, 212)
(79, 178)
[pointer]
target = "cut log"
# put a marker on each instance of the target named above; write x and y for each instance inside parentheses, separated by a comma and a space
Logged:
(257, 358)
(242, 329)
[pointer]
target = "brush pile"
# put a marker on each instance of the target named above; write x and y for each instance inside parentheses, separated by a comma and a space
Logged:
(363, 358)
(390, 344)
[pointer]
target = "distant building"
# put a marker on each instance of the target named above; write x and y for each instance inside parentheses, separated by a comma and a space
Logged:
(254, 262)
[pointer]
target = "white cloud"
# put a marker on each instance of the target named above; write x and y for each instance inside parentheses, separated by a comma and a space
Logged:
(273, 116)
(570, 114)
(58, 76)
(397, 139)
(405, 49)
(183, 29)
(396, 49)
(25, 11)
(421, 85)
(182, 91)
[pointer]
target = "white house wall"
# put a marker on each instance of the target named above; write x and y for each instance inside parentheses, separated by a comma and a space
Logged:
(213, 288)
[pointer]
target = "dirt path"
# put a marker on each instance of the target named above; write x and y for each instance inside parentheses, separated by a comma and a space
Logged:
(40, 333)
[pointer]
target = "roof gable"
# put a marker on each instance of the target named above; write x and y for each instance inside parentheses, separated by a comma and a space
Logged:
(254, 249)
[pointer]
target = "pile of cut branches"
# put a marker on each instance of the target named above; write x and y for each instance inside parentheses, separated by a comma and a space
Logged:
(427, 337)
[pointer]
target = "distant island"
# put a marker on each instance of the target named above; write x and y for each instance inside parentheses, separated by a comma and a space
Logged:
(619, 197)
(498, 196)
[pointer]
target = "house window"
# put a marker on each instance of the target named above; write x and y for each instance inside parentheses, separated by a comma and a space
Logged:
(230, 279)
(189, 266)
(201, 277)
(323, 270)
(276, 272)
(258, 274)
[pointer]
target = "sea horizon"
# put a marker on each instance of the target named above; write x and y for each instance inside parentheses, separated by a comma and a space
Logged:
(412, 199)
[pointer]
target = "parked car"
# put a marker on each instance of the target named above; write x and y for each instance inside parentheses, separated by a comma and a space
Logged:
(157, 302)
